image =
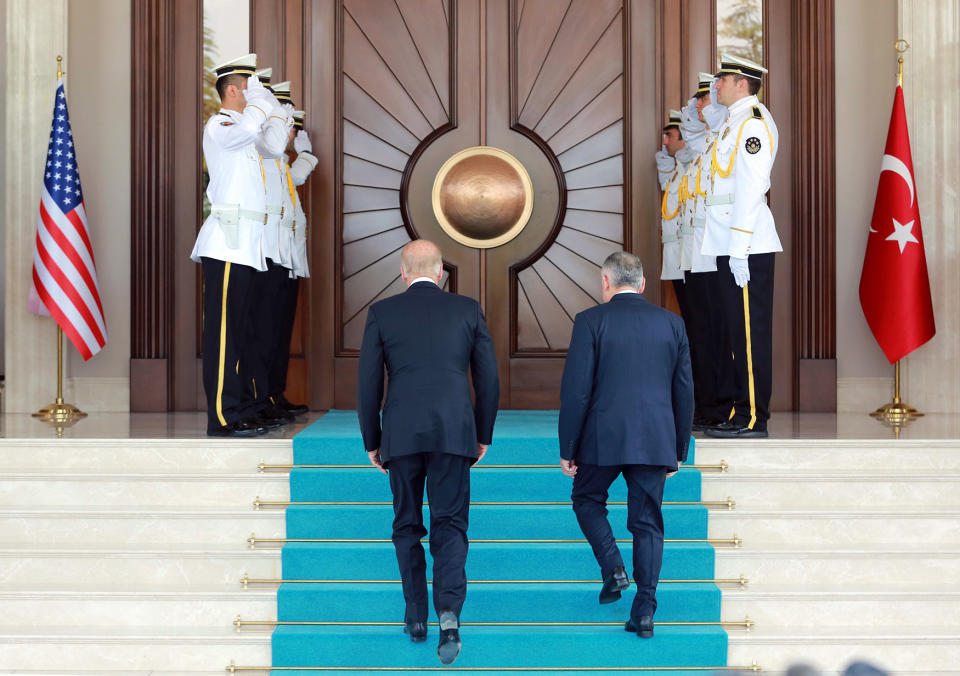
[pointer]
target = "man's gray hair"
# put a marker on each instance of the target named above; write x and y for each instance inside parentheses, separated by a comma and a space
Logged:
(623, 269)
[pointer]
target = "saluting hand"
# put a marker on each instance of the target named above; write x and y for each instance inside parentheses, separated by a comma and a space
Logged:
(375, 460)
(569, 467)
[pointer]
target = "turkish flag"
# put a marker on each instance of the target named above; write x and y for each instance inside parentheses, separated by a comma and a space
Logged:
(894, 285)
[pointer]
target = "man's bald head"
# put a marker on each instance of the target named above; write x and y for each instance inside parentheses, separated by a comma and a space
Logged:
(421, 258)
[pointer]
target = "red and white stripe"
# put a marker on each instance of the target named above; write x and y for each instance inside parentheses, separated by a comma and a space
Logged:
(65, 275)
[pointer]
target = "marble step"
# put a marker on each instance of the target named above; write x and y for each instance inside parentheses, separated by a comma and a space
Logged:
(919, 647)
(189, 455)
(830, 454)
(814, 605)
(193, 489)
(137, 524)
(133, 605)
(818, 488)
(154, 648)
(840, 525)
(859, 564)
(29, 565)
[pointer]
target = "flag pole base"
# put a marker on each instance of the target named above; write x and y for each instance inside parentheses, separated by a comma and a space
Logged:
(60, 414)
(896, 413)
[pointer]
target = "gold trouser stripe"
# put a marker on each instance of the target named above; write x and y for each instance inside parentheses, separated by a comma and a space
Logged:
(746, 322)
(223, 344)
(254, 381)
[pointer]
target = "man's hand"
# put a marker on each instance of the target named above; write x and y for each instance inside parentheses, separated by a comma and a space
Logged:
(301, 142)
(481, 451)
(670, 474)
(375, 460)
(665, 163)
(569, 467)
(741, 271)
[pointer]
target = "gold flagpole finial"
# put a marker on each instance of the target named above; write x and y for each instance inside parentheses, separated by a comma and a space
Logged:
(900, 46)
(59, 67)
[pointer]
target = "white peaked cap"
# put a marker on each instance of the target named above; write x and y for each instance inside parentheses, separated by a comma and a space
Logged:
(245, 65)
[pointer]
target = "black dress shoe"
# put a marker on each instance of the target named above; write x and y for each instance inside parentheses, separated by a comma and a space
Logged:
(449, 646)
(272, 411)
(703, 424)
(416, 630)
(613, 584)
(241, 428)
(641, 626)
(729, 430)
(294, 409)
(270, 423)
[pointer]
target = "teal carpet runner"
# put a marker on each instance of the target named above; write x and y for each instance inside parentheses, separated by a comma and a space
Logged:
(522, 568)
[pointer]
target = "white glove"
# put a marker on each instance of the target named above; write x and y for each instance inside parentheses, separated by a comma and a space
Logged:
(686, 155)
(741, 271)
(715, 115)
(301, 143)
(257, 94)
(690, 123)
(713, 90)
(665, 163)
(288, 109)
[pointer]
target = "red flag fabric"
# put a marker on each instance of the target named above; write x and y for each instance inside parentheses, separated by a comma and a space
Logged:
(894, 285)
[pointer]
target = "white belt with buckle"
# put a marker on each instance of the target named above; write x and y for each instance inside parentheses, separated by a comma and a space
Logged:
(666, 239)
(699, 223)
(713, 200)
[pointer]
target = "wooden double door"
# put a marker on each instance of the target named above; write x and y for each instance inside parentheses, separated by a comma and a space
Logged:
(546, 81)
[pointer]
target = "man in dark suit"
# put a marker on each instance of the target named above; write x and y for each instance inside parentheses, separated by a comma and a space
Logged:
(431, 433)
(626, 408)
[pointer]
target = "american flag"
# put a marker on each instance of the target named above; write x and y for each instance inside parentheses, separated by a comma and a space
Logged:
(64, 272)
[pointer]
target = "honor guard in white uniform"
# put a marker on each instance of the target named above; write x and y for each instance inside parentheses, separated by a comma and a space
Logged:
(671, 203)
(294, 241)
(741, 233)
(700, 299)
(229, 242)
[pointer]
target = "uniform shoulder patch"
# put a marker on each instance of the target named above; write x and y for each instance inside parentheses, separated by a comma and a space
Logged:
(753, 145)
(226, 124)
(756, 113)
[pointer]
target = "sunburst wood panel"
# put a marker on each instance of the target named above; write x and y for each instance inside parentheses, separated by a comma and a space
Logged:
(395, 93)
(569, 79)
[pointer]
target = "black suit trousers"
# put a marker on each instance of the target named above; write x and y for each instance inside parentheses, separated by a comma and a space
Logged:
(447, 480)
(227, 288)
(286, 309)
(268, 302)
(644, 521)
(749, 314)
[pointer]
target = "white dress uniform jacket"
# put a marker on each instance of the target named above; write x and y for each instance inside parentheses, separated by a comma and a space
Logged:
(278, 216)
(237, 190)
(299, 171)
(671, 217)
(695, 209)
(739, 221)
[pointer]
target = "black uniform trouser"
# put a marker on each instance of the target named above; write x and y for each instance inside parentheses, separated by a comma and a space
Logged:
(266, 299)
(227, 321)
(447, 479)
(644, 521)
(749, 312)
(286, 313)
(701, 306)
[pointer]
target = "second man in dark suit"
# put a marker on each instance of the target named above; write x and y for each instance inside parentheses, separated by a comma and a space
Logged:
(626, 408)
(431, 433)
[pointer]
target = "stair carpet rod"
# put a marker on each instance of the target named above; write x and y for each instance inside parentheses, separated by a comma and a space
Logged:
(253, 541)
(259, 504)
(232, 668)
(247, 580)
(722, 467)
(746, 624)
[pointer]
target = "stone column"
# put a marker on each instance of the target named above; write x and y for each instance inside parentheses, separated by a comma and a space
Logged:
(36, 32)
(931, 80)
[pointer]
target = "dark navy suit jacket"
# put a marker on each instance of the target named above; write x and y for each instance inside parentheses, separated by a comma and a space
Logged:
(627, 392)
(428, 340)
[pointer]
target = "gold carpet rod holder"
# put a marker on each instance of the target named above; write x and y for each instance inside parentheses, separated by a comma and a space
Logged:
(746, 624)
(259, 504)
(246, 580)
(253, 541)
(232, 668)
(263, 467)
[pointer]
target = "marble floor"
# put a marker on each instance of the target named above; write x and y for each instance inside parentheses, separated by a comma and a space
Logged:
(192, 425)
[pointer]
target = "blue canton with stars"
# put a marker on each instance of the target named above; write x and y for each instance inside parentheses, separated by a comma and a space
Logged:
(61, 177)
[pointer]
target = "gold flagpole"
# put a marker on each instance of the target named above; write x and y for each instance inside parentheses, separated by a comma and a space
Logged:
(59, 413)
(897, 413)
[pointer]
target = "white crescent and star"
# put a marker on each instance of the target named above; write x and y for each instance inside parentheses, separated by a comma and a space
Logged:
(897, 166)
(902, 234)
